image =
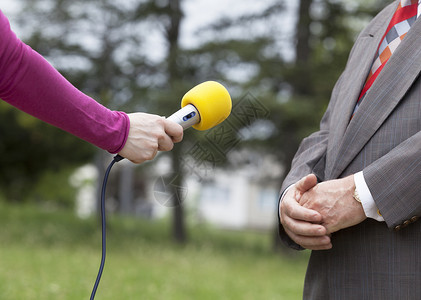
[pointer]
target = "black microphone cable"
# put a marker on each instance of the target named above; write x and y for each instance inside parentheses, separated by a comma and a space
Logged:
(117, 158)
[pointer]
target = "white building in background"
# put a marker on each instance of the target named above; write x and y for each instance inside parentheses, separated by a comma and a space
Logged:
(236, 198)
(244, 198)
(84, 179)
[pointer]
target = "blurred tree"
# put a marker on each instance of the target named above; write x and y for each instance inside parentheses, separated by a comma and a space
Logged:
(174, 75)
(29, 149)
(166, 94)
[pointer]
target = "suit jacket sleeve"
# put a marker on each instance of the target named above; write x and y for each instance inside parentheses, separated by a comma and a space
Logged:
(394, 181)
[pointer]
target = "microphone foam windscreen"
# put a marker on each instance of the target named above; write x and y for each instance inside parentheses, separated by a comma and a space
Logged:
(212, 101)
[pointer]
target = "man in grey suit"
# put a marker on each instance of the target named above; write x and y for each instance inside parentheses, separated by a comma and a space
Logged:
(353, 194)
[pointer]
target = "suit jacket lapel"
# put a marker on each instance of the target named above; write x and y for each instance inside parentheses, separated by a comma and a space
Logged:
(359, 66)
(392, 83)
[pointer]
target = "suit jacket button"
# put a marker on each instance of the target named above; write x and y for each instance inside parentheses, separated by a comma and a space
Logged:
(414, 219)
(397, 227)
(406, 223)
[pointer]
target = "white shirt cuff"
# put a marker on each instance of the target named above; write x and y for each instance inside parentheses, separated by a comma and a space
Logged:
(367, 201)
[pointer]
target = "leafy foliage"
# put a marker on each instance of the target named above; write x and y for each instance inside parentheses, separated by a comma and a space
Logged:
(30, 148)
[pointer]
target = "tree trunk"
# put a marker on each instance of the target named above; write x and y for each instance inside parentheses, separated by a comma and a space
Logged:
(173, 30)
(125, 189)
(178, 229)
(302, 80)
(303, 32)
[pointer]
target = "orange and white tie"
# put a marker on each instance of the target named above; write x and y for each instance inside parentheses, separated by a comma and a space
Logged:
(402, 20)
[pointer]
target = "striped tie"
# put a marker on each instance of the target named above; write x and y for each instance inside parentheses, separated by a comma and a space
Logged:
(401, 22)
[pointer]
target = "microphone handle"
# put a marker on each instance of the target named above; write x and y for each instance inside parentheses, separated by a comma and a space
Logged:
(186, 116)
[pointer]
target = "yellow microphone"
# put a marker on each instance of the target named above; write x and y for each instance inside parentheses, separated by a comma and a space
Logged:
(204, 106)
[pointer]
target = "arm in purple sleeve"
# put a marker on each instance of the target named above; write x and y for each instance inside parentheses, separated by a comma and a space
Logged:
(30, 83)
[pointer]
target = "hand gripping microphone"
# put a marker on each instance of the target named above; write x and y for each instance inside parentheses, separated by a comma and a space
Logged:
(203, 107)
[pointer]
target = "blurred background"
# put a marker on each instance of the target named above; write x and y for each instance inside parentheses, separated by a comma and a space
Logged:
(199, 222)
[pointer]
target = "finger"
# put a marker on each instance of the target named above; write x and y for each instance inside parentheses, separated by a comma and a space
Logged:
(292, 209)
(310, 200)
(304, 228)
(306, 183)
(174, 130)
(146, 155)
(165, 143)
(139, 158)
(311, 242)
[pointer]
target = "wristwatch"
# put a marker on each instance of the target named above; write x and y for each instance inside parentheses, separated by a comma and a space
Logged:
(356, 196)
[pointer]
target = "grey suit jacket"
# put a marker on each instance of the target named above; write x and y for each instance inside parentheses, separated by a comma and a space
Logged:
(372, 260)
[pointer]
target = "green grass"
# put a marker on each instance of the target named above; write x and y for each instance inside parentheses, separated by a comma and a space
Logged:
(53, 255)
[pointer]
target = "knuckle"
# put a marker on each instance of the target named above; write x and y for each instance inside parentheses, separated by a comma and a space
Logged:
(150, 156)
(179, 136)
(151, 153)
(292, 211)
(138, 161)
(158, 119)
(157, 133)
(161, 135)
(170, 147)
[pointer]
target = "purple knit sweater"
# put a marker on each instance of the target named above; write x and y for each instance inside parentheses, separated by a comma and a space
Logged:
(30, 83)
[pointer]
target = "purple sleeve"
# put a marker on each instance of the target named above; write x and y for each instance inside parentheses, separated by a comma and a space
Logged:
(30, 83)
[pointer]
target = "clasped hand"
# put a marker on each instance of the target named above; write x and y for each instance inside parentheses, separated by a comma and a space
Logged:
(310, 212)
